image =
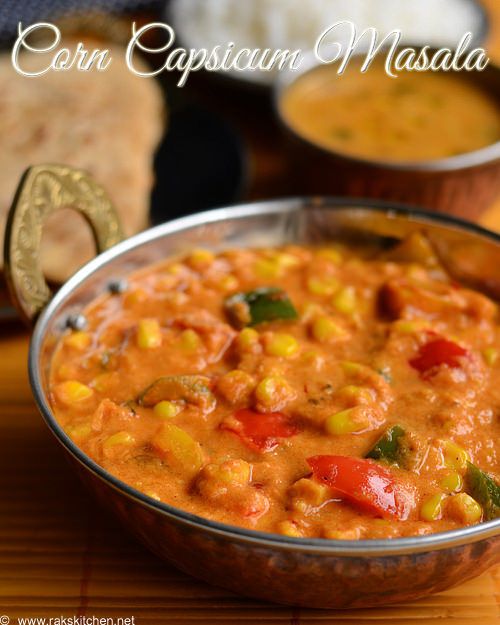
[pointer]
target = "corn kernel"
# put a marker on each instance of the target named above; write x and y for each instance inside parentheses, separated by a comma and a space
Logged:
(432, 508)
(273, 392)
(78, 340)
(345, 300)
(175, 269)
(190, 340)
(288, 528)
(119, 438)
(72, 392)
(235, 472)
(382, 524)
(247, 339)
(417, 272)
(165, 283)
(132, 298)
(228, 283)
(455, 457)
(325, 330)
(279, 344)
(179, 448)
(352, 368)
(353, 533)
(306, 494)
(200, 258)
(452, 482)
(300, 505)
(79, 431)
(166, 409)
(148, 334)
(464, 508)
(490, 355)
(331, 254)
(266, 268)
(407, 327)
(323, 286)
(176, 298)
(354, 395)
(152, 494)
(284, 259)
(345, 422)
(410, 327)
(266, 389)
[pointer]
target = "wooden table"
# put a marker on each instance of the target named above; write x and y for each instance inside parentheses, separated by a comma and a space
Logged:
(60, 557)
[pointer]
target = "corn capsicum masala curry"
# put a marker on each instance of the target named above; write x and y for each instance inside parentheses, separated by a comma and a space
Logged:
(417, 117)
(313, 392)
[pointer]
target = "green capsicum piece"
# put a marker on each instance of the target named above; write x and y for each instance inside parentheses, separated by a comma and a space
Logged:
(484, 489)
(254, 307)
(389, 446)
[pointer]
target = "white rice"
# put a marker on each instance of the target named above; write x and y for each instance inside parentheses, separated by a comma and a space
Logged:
(296, 24)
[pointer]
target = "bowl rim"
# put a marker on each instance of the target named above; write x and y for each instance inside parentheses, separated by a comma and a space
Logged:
(357, 548)
(487, 155)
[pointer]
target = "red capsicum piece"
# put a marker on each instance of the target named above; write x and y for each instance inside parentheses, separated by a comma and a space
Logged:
(438, 352)
(363, 483)
(262, 430)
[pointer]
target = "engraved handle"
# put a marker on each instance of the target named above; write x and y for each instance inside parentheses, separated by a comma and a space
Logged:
(43, 190)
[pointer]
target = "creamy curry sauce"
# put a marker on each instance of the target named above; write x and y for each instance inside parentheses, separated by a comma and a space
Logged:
(416, 116)
(303, 391)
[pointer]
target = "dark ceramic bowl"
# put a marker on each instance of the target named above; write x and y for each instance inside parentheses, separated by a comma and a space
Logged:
(297, 571)
(463, 185)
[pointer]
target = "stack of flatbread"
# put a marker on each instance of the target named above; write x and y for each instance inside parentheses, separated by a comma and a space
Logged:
(108, 123)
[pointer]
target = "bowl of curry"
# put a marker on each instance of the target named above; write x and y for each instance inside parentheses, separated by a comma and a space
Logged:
(430, 138)
(297, 400)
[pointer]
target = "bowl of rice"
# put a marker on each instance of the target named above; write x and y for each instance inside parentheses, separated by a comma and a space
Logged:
(296, 24)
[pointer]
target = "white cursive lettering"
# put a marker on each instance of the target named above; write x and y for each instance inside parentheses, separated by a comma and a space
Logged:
(218, 59)
(62, 60)
(337, 43)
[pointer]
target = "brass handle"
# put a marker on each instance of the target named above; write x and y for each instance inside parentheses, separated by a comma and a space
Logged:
(43, 190)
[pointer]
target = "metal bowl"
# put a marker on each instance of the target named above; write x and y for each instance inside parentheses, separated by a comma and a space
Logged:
(297, 571)
(464, 185)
